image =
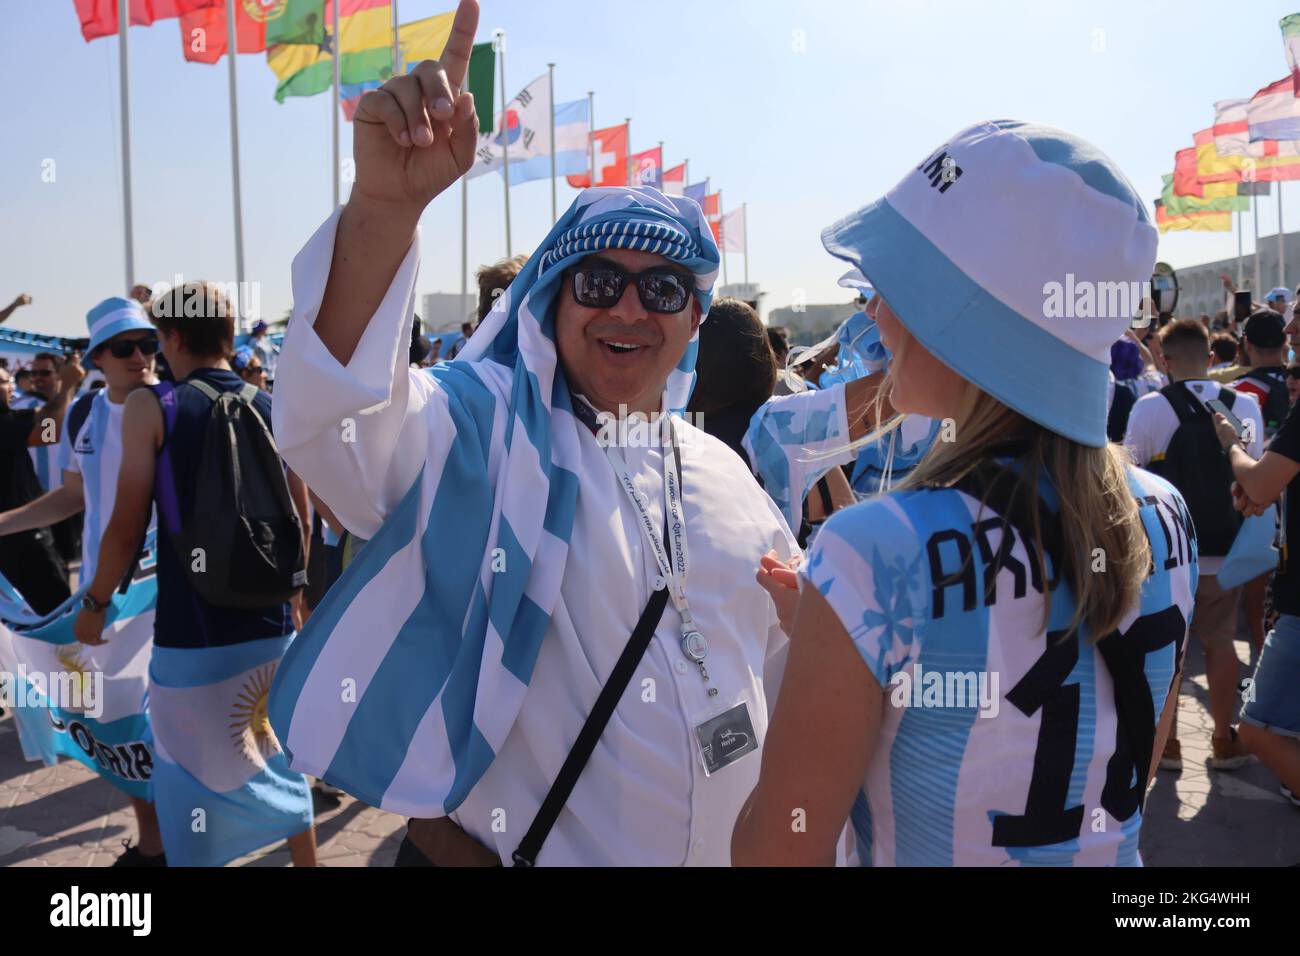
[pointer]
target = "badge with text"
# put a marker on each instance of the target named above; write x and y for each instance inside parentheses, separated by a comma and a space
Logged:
(726, 738)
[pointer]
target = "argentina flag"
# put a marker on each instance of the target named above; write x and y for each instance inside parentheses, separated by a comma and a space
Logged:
(222, 785)
(74, 700)
(409, 676)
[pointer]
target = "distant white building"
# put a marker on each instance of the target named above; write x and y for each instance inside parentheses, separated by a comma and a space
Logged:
(445, 311)
(1200, 289)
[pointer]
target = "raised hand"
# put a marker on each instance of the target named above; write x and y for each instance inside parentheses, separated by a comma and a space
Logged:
(415, 135)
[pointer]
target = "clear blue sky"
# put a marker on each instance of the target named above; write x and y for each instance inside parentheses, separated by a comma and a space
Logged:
(802, 136)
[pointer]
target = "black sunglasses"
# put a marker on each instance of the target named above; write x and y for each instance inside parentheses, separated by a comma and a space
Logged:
(1293, 372)
(126, 348)
(601, 284)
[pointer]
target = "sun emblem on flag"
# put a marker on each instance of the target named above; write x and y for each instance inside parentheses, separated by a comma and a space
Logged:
(250, 724)
(261, 10)
(69, 656)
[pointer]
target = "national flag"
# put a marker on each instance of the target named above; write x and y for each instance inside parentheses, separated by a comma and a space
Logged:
(570, 147)
(258, 24)
(521, 134)
(1185, 181)
(609, 149)
(365, 44)
(675, 180)
(1210, 166)
(712, 207)
(1276, 166)
(108, 728)
(98, 18)
(1225, 198)
(417, 41)
(647, 167)
(1274, 112)
(216, 750)
(1194, 222)
(731, 231)
(696, 191)
(1290, 25)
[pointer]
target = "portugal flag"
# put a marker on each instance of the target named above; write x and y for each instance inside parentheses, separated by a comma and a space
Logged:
(258, 24)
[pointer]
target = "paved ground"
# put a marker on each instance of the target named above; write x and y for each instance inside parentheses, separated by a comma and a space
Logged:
(67, 816)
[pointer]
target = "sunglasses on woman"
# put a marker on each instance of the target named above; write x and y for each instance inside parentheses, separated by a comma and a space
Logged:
(126, 348)
(600, 285)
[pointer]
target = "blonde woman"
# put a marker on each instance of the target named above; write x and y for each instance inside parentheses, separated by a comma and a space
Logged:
(981, 660)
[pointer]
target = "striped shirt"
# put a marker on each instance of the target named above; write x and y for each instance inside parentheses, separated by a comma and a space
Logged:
(1000, 742)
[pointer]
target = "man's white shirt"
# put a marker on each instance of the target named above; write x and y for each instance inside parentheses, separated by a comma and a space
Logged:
(643, 798)
(1152, 423)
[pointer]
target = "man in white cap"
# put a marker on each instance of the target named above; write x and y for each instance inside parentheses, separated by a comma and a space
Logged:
(514, 543)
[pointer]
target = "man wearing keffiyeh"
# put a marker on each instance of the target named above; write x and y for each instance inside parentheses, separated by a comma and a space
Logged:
(510, 554)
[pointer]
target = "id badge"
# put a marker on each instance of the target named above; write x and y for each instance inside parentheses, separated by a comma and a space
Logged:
(724, 737)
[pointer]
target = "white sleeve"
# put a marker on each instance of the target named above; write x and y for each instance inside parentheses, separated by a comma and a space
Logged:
(1139, 437)
(1249, 410)
(356, 434)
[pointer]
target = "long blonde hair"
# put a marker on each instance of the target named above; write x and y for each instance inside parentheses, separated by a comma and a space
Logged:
(1097, 508)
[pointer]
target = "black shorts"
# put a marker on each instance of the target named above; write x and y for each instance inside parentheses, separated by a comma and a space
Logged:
(34, 567)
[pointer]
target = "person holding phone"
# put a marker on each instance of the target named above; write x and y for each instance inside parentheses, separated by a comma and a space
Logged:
(1270, 719)
(1171, 432)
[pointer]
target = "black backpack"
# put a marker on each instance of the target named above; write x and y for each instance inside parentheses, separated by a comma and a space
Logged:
(1195, 464)
(241, 544)
(1277, 403)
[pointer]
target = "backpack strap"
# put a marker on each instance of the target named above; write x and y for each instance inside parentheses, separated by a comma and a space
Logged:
(207, 390)
(164, 486)
(1184, 404)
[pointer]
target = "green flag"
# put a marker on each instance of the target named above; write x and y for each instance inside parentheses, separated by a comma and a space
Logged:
(481, 81)
(296, 21)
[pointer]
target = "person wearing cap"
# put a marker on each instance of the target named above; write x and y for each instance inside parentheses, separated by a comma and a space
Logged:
(981, 659)
(267, 352)
(479, 651)
(123, 343)
(1264, 342)
(1270, 717)
(1277, 299)
(248, 366)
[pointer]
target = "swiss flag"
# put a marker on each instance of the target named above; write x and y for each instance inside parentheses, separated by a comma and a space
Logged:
(98, 18)
(610, 149)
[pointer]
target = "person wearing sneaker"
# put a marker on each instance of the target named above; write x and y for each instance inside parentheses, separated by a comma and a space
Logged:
(1171, 433)
(1270, 719)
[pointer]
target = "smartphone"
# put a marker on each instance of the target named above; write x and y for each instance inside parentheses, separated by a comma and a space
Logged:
(1241, 306)
(1215, 405)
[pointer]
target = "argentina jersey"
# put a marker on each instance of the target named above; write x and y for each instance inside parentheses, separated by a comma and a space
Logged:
(95, 452)
(1001, 741)
(45, 458)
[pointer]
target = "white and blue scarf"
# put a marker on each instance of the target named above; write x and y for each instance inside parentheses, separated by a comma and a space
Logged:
(436, 694)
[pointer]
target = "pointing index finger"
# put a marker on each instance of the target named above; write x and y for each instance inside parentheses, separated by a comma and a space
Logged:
(455, 56)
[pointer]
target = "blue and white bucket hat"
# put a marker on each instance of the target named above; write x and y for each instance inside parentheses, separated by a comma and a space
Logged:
(113, 317)
(979, 249)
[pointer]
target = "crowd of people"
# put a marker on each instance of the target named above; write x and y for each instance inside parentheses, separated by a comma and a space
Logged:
(619, 577)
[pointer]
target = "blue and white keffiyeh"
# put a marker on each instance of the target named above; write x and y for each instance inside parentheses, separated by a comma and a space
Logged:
(438, 691)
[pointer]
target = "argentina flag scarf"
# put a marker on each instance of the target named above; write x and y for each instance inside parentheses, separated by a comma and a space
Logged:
(408, 715)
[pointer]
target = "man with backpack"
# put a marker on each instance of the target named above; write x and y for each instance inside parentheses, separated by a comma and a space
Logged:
(231, 556)
(1172, 433)
(1264, 342)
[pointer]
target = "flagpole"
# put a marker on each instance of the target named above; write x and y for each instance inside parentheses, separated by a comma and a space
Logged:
(722, 247)
(1281, 240)
(1239, 231)
(744, 221)
(628, 120)
(686, 175)
(397, 46)
(591, 142)
(550, 78)
(232, 51)
(123, 24)
(334, 103)
(499, 37)
(464, 248)
(1255, 208)
(661, 165)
